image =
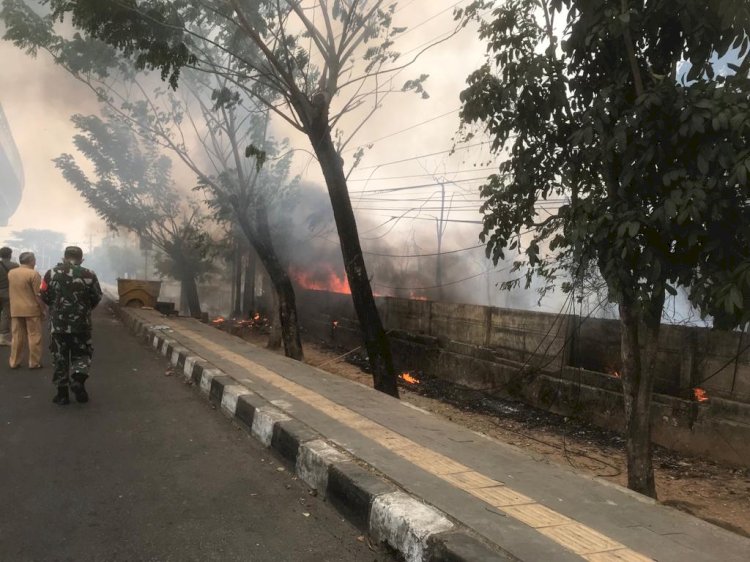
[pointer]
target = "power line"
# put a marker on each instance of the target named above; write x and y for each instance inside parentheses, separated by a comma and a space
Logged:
(425, 255)
(431, 18)
(417, 186)
(434, 286)
(464, 209)
(409, 200)
(423, 175)
(445, 220)
(402, 130)
(450, 150)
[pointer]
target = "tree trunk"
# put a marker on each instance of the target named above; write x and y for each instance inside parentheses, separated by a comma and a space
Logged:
(284, 310)
(237, 305)
(184, 308)
(275, 336)
(375, 339)
(638, 363)
(248, 293)
(189, 289)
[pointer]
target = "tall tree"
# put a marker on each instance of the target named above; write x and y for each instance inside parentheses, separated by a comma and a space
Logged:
(134, 190)
(311, 63)
(619, 112)
(208, 128)
(47, 245)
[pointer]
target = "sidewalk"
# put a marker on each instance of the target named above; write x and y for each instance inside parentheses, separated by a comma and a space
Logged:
(496, 498)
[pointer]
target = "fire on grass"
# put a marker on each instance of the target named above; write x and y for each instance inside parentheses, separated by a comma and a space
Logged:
(255, 322)
(699, 394)
(324, 277)
(408, 378)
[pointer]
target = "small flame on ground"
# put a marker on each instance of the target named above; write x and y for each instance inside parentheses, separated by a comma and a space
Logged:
(700, 395)
(616, 374)
(406, 377)
(335, 323)
(256, 321)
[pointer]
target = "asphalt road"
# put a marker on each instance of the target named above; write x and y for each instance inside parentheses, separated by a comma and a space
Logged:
(147, 471)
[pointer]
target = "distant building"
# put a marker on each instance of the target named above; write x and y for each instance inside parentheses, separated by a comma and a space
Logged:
(11, 172)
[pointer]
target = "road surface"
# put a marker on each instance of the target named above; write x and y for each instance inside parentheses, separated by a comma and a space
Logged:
(147, 471)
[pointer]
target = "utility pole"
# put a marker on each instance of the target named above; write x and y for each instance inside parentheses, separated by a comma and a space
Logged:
(440, 226)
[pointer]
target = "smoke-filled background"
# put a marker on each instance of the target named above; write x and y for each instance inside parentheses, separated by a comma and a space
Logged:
(415, 190)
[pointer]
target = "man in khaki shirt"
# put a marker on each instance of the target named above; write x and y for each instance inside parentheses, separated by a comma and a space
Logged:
(26, 312)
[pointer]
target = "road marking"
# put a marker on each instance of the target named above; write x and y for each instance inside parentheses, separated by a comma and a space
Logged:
(568, 533)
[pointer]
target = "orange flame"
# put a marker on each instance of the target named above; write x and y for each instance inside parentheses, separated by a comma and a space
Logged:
(406, 377)
(331, 281)
(616, 374)
(218, 321)
(700, 395)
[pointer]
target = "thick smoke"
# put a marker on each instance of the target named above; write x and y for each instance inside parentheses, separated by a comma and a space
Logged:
(401, 258)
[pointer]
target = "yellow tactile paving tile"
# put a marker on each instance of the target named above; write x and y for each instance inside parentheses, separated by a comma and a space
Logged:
(536, 515)
(579, 538)
(470, 480)
(500, 496)
(395, 442)
(622, 555)
(432, 462)
(362, 424)
(566, 532)
(440, 466)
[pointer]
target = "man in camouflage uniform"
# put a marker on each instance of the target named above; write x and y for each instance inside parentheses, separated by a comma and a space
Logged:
(72, 292)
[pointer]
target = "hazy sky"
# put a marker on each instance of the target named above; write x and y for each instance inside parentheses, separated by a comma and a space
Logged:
(39, 99)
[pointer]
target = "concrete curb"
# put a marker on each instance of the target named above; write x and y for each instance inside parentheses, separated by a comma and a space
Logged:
(416, 530)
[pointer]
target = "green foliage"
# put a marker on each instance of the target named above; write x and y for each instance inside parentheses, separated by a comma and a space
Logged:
(651, 162)
(149, 31)
(47, 244)
(134, 190)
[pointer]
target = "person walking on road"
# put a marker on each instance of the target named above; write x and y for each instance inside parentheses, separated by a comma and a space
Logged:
(72, 292)
(26, 312)
(5, 266)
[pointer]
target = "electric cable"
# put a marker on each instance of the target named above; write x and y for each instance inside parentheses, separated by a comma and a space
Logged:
(364, 144)
(450, 150)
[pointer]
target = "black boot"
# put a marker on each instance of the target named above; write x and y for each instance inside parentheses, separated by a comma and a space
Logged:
(61, 398)
(80, 391)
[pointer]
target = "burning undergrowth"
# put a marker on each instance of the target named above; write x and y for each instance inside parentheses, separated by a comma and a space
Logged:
(256, 323)
(397, 267)
(533, 420)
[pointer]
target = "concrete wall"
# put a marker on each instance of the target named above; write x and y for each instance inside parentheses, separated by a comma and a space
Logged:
(688, 356)
(562, 364)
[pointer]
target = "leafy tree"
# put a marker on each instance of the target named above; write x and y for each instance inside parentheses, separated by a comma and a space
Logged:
(309, 64)
(134, 190)
(619, 112)
(205, 125)
(111, 260)
(47, 245)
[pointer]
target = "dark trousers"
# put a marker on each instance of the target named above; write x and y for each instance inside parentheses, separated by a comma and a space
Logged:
(71, 354)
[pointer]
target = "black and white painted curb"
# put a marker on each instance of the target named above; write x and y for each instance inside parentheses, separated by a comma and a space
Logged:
(418, 531)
